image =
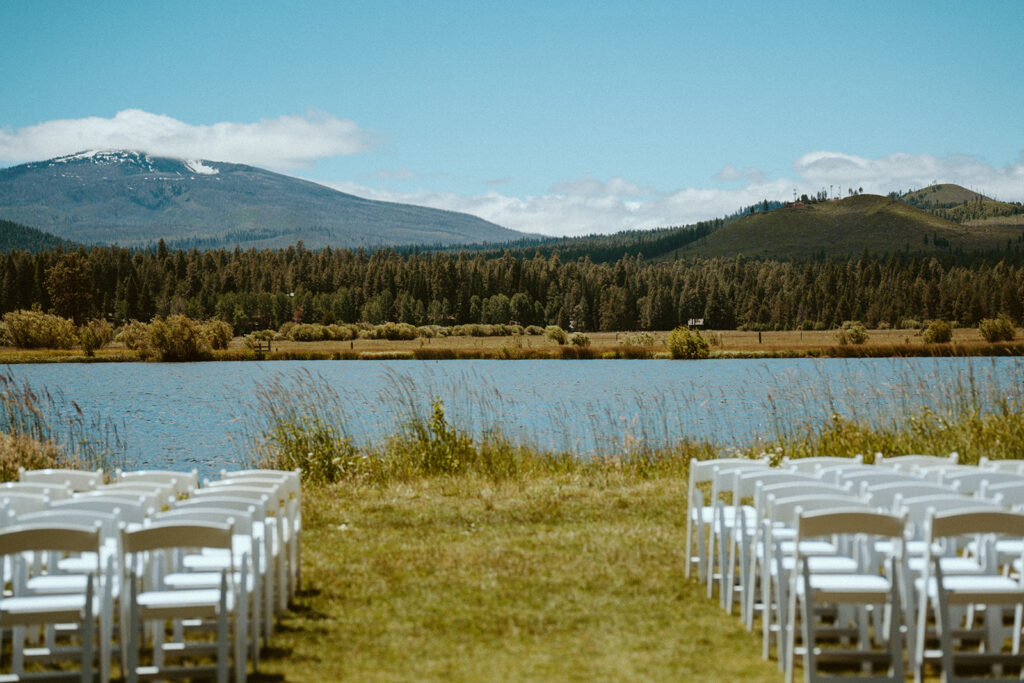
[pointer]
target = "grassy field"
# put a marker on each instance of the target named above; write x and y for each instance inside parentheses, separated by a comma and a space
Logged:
(723, 344)
(556, 577)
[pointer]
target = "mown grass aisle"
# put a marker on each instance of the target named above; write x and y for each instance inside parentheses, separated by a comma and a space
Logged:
(555, 577)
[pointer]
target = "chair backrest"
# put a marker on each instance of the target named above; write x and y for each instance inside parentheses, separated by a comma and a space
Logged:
(785, 510)
(131, 510)
(791, 488)
(711, 471)
(259, 497)
(919, 510)
(876, 475)
(240, 520)
(819, 523)
(156, 496)
(1009, 494)
(50, 537)
(969, 482)
(76, 480)
(181, 483)
(52, 490)
(961, 523)
(17, 503)
(905, 462)
(108, 522)
(745, 484)
(173, 534)
(817, 462)
(884, 495)
(1013, 466)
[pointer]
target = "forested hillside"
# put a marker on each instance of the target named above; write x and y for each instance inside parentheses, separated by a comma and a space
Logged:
(259, 289)
(14, 236)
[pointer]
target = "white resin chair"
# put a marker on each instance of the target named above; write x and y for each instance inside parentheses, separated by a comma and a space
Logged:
(82, 607)
(774, 555)
(969, 609)
(204, 567)
(150, 555)
(872, 647)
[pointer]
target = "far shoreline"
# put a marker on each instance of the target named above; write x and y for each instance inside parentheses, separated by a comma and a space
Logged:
(724, 344)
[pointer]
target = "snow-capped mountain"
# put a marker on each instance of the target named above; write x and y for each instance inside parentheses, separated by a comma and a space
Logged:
(132, 198)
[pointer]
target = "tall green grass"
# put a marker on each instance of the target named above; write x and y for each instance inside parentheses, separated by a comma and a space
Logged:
(301, 421)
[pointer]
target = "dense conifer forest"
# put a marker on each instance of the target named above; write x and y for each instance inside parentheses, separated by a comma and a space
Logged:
(264, 289)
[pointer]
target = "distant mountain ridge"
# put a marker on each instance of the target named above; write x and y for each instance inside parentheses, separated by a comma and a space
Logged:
(132, 198)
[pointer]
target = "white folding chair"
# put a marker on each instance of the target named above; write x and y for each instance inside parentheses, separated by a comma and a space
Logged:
(752, 543)
(959, 602)
(83, 607)
(284, 540)
(874, 587)
(151, 555)
(204, 567)
(71, 573)
(736, 523)
(776, 557)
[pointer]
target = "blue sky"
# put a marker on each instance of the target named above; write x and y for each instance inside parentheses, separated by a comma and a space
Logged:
(554, 117)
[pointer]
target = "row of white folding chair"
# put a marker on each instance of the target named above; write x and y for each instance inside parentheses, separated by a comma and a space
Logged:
(267, 567)
(290, 487)
(31, 587)
(737, 520)
(755, 541)
(701, 513)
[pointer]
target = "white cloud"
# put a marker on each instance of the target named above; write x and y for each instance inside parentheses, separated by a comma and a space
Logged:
(589, 205)
(911, 171)
(284, 142)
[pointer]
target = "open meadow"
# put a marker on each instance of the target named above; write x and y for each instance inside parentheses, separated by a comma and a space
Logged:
(722, 344)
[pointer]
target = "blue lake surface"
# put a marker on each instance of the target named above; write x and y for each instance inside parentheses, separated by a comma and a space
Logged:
(198, 414)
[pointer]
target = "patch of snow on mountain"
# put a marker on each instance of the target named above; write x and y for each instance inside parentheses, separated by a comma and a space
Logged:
(199, 167)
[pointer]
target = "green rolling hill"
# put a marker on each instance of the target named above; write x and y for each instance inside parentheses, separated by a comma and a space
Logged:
(843, 227)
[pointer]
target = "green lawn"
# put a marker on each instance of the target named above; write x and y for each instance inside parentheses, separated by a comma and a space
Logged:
(555, 577)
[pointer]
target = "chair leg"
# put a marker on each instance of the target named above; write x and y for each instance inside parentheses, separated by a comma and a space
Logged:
(88, 633)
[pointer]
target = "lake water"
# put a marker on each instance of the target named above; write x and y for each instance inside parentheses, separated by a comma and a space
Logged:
(195, 414)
